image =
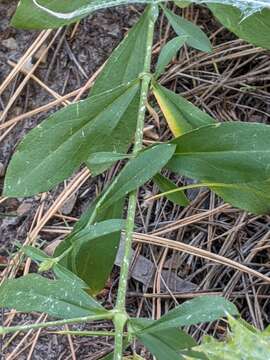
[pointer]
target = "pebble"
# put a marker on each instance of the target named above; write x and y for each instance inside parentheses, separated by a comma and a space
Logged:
(10, 43)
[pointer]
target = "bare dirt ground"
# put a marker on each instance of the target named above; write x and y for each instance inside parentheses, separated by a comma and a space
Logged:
(231, 84)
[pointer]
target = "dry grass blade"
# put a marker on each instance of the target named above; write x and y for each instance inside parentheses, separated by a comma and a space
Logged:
(173, 245)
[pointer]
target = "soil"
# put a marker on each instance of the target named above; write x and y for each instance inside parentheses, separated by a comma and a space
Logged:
(227, 90)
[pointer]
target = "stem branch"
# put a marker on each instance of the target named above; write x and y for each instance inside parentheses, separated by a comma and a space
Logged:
(24, 328)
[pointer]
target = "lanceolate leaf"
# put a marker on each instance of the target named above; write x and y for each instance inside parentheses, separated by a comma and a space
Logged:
(94, 252)
(227, 153)
(102, 158)
(180, 114)
(165, 184)
(126, 62)
(196, 38)
(253, 197)
(120, 68)
(58, 298)
(198, 310)
(168, 52)
(163, 344)
(45, 14)
(120, 139)
(59, 145)
(95, 246)
(182, 3)
(137, 171)
(254, 29)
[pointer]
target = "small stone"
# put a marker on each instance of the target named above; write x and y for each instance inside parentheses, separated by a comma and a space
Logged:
(49, 249)
(68, 206)
(24, 208)
(41, 54)
(10, 43)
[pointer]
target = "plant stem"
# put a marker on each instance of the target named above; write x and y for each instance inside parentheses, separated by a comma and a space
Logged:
(13, 329)
(121, 317)
(84, 333)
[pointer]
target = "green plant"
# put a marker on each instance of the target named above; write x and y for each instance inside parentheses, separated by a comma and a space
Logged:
(244, 342)
(230, 158)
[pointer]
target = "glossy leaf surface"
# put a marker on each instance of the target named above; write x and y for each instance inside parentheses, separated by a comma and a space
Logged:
(180, 114)
(58, 298)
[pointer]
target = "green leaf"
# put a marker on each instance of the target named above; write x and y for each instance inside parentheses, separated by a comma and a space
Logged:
(59, 145)
(224, 153)
(34, 253)
(138, 171)
(60, 271)
(121, 68)
(182, 3)
(99, 161)
(58, 298)
(198, 310)
(196, 37)
(253, 197)
(94, 251)
(168, 51)
(95, 245)
(180, 114)
(47, 14)
(164, 344)
(165, 184)
(126, 62)
(242, 344)
(254, 29)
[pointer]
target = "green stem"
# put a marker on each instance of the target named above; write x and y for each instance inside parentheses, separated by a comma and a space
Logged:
(84, 333)
(121, 316)
(24, 328)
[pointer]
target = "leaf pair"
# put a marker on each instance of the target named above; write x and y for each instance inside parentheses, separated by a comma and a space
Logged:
(105, 122)
(94, 245)
(164, 338)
